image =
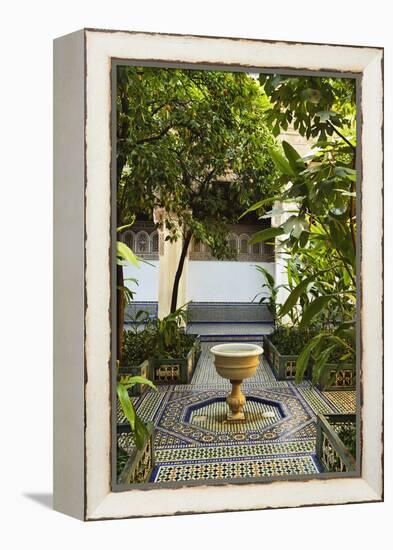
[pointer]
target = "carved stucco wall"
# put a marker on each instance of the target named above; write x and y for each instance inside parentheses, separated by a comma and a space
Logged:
(204, 278)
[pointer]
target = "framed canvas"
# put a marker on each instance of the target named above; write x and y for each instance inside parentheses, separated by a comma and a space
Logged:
(218, 340)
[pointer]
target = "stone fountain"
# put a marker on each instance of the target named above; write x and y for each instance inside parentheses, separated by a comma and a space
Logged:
(235, 362)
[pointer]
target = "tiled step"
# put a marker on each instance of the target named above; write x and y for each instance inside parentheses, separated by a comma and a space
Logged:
(231, 338)
(219, 312)
(223, 332)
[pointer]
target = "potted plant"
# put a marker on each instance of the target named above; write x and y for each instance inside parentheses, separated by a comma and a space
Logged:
(332, 354)
(283, 346)
(174, 352)
(323, 351)
(282, 349)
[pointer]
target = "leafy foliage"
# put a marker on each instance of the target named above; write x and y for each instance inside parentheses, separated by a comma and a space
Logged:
(325, 348)
(135, 347)
(140, 346)
(291, 340)
(149, 338)
(164, 338)
(314, 106)
(319, 237)
(195, 143)
(137, 426)
(125, 255)
(167, 338)
(269, 284)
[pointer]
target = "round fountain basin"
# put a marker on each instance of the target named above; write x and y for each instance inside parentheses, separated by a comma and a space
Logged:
(236, 361)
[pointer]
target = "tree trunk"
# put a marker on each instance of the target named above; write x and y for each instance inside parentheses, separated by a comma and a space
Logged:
(120, 312)
(179, 272)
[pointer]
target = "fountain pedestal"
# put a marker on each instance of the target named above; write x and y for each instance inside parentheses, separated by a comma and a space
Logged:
(235, 362)
(236, 401)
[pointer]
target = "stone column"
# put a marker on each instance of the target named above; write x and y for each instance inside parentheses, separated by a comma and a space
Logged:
(280, 266)
(169, 254)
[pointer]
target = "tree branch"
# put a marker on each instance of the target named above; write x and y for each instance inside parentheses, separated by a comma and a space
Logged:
(342, 136)
(154, 138)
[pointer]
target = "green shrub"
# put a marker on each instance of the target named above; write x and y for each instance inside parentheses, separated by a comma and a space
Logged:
(167, 338)
(182, 346)
(163, 338)
(341, 355)
(291, 340)
(142, 345)
(135, 347)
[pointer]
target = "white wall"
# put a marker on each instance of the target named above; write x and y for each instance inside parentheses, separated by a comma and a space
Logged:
(225, 281)
(147, 276)
(207, 281)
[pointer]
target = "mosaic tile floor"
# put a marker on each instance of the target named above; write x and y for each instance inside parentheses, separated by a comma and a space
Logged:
(193, 441)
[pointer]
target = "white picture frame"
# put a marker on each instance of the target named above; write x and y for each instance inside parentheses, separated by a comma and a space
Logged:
(82, 249)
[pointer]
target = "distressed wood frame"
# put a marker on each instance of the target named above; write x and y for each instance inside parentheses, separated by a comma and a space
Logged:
(83, 251)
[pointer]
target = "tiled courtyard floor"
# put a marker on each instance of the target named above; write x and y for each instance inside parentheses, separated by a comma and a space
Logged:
(193, 443)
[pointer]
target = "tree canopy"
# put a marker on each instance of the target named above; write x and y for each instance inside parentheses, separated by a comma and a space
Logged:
(195, 143)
